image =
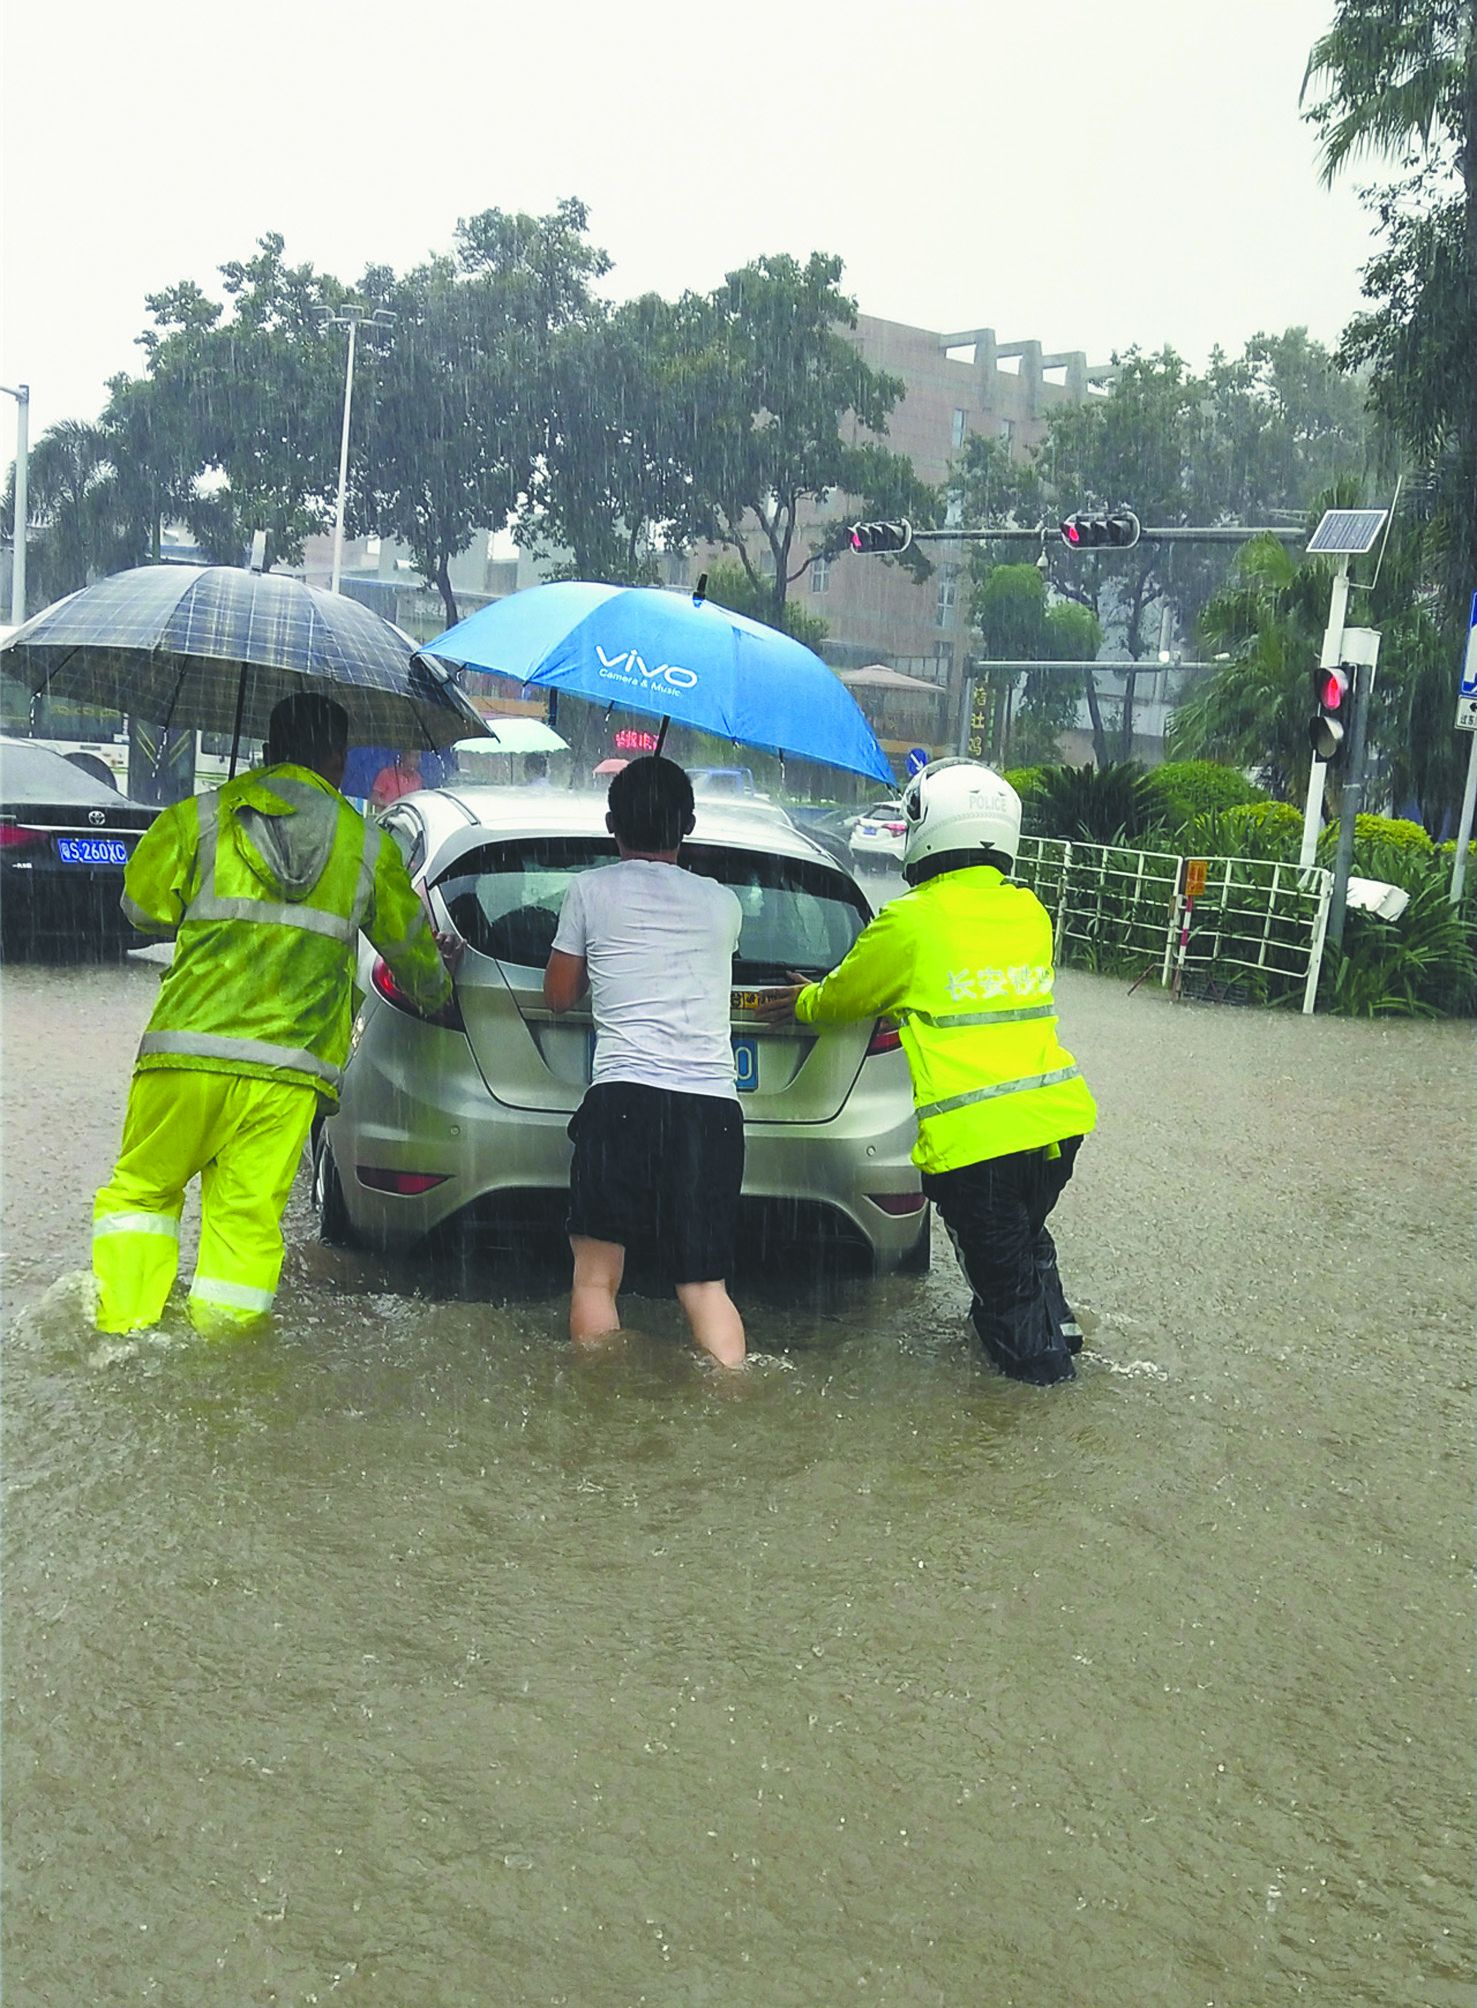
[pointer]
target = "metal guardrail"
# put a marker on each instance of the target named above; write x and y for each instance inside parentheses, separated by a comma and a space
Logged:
(1245, 930)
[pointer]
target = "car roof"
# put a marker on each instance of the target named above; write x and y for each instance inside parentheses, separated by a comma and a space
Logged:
(558, 812)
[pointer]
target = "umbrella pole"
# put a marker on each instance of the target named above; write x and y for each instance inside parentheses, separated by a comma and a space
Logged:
(661, 737)
(236, 734)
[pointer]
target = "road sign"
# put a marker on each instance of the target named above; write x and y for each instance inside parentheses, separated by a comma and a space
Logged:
(918, 759)
(1466, 700)
(1195, 870)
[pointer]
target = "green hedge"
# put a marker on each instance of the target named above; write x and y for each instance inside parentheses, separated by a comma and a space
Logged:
(1187, 789)
(1393, 830)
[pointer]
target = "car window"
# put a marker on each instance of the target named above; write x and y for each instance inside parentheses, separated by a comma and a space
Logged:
(504, 898)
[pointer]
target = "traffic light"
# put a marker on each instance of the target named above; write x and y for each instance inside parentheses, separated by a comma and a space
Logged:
(1118, 529)
(871, 538)
(1331, 711)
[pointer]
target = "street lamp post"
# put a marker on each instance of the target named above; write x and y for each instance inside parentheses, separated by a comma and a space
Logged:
(351, 318)
(22, 395)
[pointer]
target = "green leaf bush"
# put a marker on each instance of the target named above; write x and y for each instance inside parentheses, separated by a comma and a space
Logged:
(1188, 789)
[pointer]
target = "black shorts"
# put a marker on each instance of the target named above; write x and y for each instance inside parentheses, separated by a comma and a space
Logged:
(662, 1169)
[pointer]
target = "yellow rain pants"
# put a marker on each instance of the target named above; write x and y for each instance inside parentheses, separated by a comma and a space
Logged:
(243, 1137)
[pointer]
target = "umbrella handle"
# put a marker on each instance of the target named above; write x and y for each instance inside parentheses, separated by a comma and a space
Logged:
(661, 737)
(236, 735)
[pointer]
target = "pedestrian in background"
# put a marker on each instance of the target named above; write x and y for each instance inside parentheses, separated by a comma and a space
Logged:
(264, 886)
(659, 1137)
(963, 963)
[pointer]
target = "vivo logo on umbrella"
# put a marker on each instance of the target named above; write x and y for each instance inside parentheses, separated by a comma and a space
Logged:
(670, 673)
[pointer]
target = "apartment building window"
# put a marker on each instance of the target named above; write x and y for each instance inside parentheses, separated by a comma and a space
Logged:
(954, 510)
(956, 429)
(1007, 431)
(948, 594)
(820, 576)
(943, 661)
(766, 563)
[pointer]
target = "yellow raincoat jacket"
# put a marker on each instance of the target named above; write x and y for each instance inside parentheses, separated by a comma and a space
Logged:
(963, 963)
(265, 886)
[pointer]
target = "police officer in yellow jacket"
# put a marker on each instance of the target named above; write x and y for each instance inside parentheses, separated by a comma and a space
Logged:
(264, 886)
(963, 963)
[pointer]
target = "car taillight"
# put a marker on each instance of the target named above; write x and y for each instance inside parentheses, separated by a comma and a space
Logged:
(14, 838)
(896, 829)
(449, 1016)
(886, 1038)
(898, 1203)
(407, 1184)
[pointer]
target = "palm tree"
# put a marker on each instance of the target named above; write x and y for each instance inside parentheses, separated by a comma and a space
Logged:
(79, 529)
(1392, 72)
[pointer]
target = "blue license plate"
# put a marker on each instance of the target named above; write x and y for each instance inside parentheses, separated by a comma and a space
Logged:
(745, 1063)
(92, 850)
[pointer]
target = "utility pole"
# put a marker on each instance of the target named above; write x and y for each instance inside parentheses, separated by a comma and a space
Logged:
(22, 395)
(350, 318)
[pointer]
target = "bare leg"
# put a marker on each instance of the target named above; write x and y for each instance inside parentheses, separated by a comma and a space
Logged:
(716, 1325)
(598, 1268)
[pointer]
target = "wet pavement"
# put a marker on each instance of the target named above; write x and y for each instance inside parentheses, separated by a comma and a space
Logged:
(401, 1658)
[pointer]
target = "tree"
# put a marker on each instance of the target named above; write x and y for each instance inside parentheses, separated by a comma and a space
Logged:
(763, 400)
(1253, 712)
(1015, 624)
(615, 480)
(1399, 78)
(238, 413)
(458, 429)
(79, 524)
(730, 586)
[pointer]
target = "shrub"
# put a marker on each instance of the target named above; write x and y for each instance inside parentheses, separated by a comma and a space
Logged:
(1187, 789)
(1025, 780)
(1392, 830)
(1096, 805)
(1423, 965)
(1271, 830)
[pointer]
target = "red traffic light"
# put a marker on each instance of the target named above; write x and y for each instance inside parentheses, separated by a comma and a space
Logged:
(1072, 531)
(871, 538)
(1332, 685)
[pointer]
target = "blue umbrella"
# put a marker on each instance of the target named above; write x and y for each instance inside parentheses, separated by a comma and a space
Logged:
(677, 656)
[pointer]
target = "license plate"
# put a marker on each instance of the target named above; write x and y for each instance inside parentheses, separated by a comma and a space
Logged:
(92, 850)
(745, 1063)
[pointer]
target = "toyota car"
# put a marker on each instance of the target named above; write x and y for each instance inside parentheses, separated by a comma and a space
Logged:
(65, 839)
(467, 1115)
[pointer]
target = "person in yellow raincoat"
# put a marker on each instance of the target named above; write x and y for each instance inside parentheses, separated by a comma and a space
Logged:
(963, 964)
(264, 885)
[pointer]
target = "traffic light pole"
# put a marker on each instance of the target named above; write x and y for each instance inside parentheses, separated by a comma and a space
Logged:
(1180, 533)
(1333, 648)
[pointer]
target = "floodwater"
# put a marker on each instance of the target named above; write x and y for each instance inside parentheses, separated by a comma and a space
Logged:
(400, 1658)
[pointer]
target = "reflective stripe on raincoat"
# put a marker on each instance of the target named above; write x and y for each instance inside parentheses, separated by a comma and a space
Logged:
(265, 885)
(963, 963)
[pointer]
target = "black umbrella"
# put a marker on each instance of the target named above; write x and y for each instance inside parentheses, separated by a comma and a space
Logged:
(213, 648)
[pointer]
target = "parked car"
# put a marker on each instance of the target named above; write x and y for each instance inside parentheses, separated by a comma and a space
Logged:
(876, 837)
(469, 1115)
(65, 838)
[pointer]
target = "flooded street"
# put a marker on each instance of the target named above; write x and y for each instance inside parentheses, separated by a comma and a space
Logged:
(400, 1657)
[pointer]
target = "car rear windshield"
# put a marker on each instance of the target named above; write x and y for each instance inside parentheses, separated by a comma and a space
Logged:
(504, 898)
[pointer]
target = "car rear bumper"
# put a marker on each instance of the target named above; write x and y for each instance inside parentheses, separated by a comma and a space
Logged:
(414, 1103)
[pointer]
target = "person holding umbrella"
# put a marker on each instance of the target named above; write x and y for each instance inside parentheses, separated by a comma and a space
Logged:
(264, 886)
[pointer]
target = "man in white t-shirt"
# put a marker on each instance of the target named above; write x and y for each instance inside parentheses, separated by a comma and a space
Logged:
(659, 1137)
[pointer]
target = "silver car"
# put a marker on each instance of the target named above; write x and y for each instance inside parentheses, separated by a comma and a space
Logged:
(470, 1116)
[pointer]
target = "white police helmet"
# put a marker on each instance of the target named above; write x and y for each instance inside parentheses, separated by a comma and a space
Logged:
(959, 805)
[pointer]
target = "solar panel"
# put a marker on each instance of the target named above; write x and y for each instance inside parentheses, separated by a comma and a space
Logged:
(1347, 532)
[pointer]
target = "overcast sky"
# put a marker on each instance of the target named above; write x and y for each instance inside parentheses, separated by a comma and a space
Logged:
(1092, 175)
